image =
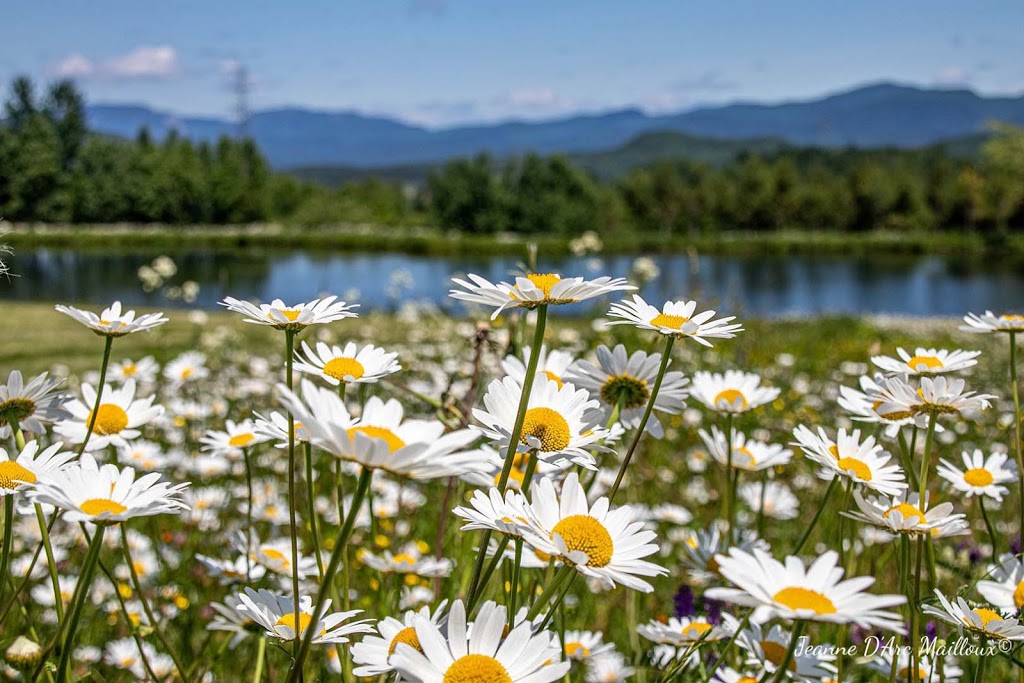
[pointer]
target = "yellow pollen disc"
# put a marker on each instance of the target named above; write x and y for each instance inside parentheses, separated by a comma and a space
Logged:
(110, 419)
(340, 368)
(834, 450)
(745, 459)
(548, 427)
(712, 565)
(978, 476)
(129, 369)
(986, 616)
(907, 510)
(291, 315)
(476, 669)
(304, 621)
(544, 282)
(695, 630)
(858, 467)
(1018, 595)
(632, 391)
(383, 433)
(729, 397)
(775, 653)
(1012, 317)
(542, 556)
(516, 476)
(186, 373)
(408, 636)
(929, 362)
(97, 506)
(403, 558)
(905, 671)
(552, 377)
(672, 322)
(748, 679)
(576, 650)
(12, 475)
(241, 440)
(797, 598)
(586, 534)
(273, 554)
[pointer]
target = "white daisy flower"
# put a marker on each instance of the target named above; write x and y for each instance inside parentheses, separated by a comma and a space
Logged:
(676, 319)
(766, 648)
(485, 654)
(584, 645)
(865, 405)
(380, 438)
(600, 543)
(282, 317)
(351, 364)
(865, 462)
(117, 419)
(1005, 586)
(938, 395)
(726, 674)
(747, 454)
(408, 561)
(927, 361)
(276, 614)
(142, 455)
(533, 290)
(555, 424)
(275, 555)
(551, 364)
(982, 621)
(733, 392)
(112, 322)
(702, 548)
(230, 620)
(980, 476)
(928, 669)
(31, 405)
(231, 441)
(687, 631)
(491, 510)
(672, 514)
(274, 428)
(816, 593)
(30, 466)
(629, 379)
(373, 653)
(779, 501)
(239, 570)
(106, 495)
(608, 667)
(143, 371)
(990, 322)
(904, 515)
(187, 367)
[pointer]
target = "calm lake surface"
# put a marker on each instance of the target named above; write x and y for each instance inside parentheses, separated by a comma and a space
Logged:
(766, 286)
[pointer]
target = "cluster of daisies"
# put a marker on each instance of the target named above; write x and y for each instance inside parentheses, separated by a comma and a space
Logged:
(454, 535)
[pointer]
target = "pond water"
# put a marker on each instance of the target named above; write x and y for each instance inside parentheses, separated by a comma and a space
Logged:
(766, 286)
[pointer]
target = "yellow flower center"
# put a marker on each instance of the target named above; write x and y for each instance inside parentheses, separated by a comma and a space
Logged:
(13, 475)
(110, 419)
(859, 468)
(834, 450)
(743, 458)
(905, 671)
(544, 282)
(548, 427)
(304, 621)
(291, 314)
(631, 390)
(978, 476)
(129, 369)
(382, 433)
(241, 440)
(542, 556)
(929, 362)
(797, 598)
(672, 322)
(95, 507)
(552, 377)
(695, 630)
(476, 669)
(727, 398)
(1018, 595)
(748, 679)
(1012, 317)
(576, 649)
(186, 373)
(907, 510)
(404, 558)
(275, 555)
(341, 368)
(586, 534)
(408, 636)
(986, 616)
(775, 653)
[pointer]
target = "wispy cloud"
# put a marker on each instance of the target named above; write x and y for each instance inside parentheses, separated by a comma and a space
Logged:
(953, 76)
(144, 62)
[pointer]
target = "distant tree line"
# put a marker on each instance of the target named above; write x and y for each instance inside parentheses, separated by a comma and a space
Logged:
(52, 169)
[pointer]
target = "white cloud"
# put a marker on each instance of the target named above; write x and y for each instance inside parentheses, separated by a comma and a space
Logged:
(953, 75)
(144, 62)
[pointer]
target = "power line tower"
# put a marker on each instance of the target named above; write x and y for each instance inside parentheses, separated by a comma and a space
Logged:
(242, 100)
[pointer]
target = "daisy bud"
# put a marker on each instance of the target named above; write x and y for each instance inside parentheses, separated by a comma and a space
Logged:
(23, 654)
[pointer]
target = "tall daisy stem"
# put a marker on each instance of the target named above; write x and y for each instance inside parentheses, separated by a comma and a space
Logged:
(289, 345)
(44, 532)
(340, 543)
(783, 668)
(817, 516)
(1016, 430)
(311, 508)
(248, 515)
(261, 649)
(92, 557)
(99, 393)
(514, 438)
(137, 585)
(5, 552)
(665, 358)
(557, 601)
(988, 526)
(929, 440)
(563, 575)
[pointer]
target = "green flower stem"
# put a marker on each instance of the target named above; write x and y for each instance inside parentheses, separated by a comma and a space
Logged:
(842, 525)
(51, 563)
(1016, 429)
(979, 673)
(99, 393)
(728, 646)
(311, 508)
(557, 601)
(137, 585)
(124, 610)
(665, 357)
(5, 552)
(988, 525)
(817, 516)
(25, 579)
(552, 589)
(514, 438)
(261, 649)
(783, 668)
(92, 557)
(248, 515)
(289, 353)
(728, 488)
(514, 596)
(760, 507)
(340, 544)
(929, 441)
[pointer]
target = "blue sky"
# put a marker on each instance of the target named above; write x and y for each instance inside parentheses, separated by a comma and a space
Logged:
(441, 62)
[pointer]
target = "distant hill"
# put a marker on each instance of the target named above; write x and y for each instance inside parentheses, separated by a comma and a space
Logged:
(873, 116)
